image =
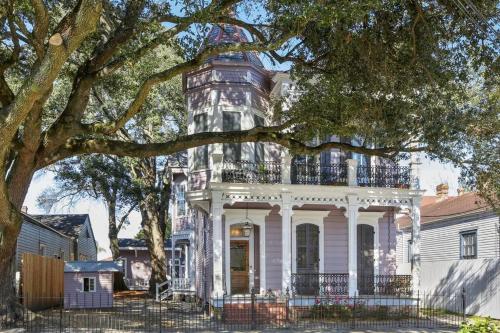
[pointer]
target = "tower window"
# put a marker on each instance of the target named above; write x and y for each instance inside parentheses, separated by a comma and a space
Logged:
(259, 147)
(231, 121)
(200, 153)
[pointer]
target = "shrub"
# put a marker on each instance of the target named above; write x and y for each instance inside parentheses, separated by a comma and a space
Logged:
(479, 325)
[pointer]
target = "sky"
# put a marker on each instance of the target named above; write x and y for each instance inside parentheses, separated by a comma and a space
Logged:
(432, 173)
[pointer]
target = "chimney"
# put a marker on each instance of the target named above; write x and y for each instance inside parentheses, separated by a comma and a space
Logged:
(442, 192)
(24, 209)
(460, 191)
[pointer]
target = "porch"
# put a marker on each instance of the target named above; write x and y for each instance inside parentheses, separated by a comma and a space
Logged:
(309, 240)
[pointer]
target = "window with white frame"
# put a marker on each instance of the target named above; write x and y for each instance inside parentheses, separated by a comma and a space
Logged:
(410, 250)
(180, 199)
(231, 121)
(88, 284)
(200, 153)
(468, 244)
(42, 249)
(259, 146)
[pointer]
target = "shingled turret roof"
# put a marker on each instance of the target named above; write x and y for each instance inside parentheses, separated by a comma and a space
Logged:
(221, 34)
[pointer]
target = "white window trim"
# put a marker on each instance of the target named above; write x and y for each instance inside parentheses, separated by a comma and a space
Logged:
(83, 284)
(258, 217)
(313, 217)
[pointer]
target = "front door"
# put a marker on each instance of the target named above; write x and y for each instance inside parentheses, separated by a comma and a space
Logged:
(365, 259)
(307, 280)
(239, 267)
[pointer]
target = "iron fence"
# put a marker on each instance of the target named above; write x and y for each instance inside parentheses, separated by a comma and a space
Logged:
(384, 176)
(268, 172)
(389, 284)
(318, 174)
(245, 312)
(320, 283)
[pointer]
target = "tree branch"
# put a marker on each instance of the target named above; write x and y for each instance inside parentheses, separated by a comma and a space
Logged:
(68, 36)
(125, 216)
(258, 134)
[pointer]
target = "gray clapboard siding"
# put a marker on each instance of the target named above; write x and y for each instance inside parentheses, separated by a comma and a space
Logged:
(32, 235)
(441, 240)
(87, 245)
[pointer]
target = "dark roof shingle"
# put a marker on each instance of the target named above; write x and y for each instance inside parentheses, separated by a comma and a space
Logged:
(68, 224)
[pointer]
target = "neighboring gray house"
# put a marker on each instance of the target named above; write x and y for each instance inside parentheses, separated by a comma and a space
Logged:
(137, 267)
(39, 238)
(89, 284)
(79, 228)
(460, 248)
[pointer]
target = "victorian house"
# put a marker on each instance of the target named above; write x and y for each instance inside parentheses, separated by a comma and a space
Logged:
(251, 216)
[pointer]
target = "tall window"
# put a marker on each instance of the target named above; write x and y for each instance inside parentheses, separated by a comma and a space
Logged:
(200, 153)
(88, 284)
(468, 244)
(410, 252)
(41, 249)
(180, 200)
(259, 147)
(231, 121)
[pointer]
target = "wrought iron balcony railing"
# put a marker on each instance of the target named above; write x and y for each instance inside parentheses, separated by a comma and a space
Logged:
(317, 284)
(384, 176)
(268, 172)
(183, 223)
(318, 174)
(385, 285)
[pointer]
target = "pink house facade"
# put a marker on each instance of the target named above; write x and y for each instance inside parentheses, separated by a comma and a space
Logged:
(254, 217)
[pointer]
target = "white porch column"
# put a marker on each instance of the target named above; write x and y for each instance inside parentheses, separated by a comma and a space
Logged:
(218, 288)
(217, 161)
(415, 267)
(186, 261)
(352, 172)
(286, 165)
(286, 236)
(352, 220)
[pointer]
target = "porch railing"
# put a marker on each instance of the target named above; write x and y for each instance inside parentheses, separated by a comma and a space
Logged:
(268, 172)
(320, 284)
(385, 285)
(384, 176)
(137, 284)
(319, 174)
(181, 284)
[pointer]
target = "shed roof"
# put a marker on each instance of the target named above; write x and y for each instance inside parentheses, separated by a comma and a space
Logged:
(92, 266)
(68, 224)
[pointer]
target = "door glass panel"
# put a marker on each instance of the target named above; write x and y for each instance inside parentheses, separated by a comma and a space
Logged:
(238, 258)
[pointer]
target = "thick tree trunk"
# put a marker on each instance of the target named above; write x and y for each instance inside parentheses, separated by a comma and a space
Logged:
(12, 196)
(154, 240)
(118, 281)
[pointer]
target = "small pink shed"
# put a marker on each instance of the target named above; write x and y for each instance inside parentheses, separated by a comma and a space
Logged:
(89, 284)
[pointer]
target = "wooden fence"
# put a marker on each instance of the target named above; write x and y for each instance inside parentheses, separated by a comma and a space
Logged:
(42, 281)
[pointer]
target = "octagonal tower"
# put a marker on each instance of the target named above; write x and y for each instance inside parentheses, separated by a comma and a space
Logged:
(228, 92)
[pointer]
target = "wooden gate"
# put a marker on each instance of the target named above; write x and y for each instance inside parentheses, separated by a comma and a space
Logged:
(42, 281)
